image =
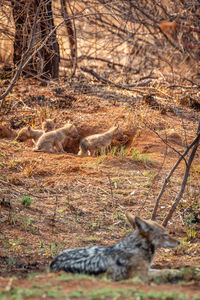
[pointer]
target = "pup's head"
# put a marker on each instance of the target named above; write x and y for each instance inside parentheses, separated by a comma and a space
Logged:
(24, 134)
(153, 232)
(72, 131)
(48, 125)
(118, 132)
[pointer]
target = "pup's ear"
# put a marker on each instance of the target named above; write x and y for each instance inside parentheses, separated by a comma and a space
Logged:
(142, 225)
(55, 119)
(29, 127)
(131, 219)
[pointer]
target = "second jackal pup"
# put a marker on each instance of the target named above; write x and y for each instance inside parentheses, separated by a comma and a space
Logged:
(53, 141)
(131, 256)
(98, 142)
(28, 132)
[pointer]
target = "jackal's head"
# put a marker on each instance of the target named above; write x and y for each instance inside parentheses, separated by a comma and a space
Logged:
(153, 232)
(24, 134)
(118, 132)
(48, 125)
(72, 131)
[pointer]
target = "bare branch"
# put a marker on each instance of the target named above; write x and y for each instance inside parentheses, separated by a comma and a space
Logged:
(195, 142)
(104, 80)
(187, 170)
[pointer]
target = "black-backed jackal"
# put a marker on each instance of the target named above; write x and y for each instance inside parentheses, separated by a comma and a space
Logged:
(131, 256)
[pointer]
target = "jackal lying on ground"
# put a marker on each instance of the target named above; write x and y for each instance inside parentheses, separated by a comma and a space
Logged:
(34, 134)
(52, 142)
(98, 142)
(131, 256)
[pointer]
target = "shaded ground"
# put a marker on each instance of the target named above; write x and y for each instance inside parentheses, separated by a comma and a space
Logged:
(50, 202)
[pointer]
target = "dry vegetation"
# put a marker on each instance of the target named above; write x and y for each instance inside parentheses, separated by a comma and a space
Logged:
(49, 202)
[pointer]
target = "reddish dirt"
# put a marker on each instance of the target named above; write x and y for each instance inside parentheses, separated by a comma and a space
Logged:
(81, 201)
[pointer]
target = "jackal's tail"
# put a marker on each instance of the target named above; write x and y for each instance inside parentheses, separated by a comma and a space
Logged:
(83, 260)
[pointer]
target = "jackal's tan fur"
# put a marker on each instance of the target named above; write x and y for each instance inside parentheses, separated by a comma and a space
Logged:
(98, 142)
(52, 142)
(28, 132)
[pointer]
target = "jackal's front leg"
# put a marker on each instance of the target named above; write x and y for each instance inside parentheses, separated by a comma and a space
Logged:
(59, 147)
(117, 273)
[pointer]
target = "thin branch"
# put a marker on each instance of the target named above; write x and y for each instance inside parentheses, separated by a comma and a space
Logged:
(168, 145)
(104, 80)
(155, 178)
(187, 170)
(170, 174)
(181, 86)
(111, 191)
(192, 82)
(53, 219)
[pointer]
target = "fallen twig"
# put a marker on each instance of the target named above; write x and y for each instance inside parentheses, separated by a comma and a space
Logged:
(111, 190)
(165, 142)
(180, 86)
(123, 86)
(53, 219)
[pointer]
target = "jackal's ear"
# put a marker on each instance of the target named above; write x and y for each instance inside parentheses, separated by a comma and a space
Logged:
(29, 127)
(54, 120)
(142, 225)
(131, 219)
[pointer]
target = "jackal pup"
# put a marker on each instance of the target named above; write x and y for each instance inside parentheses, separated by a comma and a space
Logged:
(98, 142)
(53, 141)
(29, 133)
(131, 256)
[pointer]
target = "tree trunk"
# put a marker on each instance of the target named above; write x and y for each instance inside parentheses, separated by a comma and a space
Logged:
(23, 14)
(70, 31)
(35, 17)
(50, 52)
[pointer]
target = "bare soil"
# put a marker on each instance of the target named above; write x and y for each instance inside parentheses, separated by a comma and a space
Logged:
(81, 201)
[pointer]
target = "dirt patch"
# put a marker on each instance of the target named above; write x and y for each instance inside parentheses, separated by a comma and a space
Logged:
(6, 132)
(62, 285)
(75, 201)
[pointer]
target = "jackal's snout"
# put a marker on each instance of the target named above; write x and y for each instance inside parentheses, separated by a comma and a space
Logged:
(170, 243)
